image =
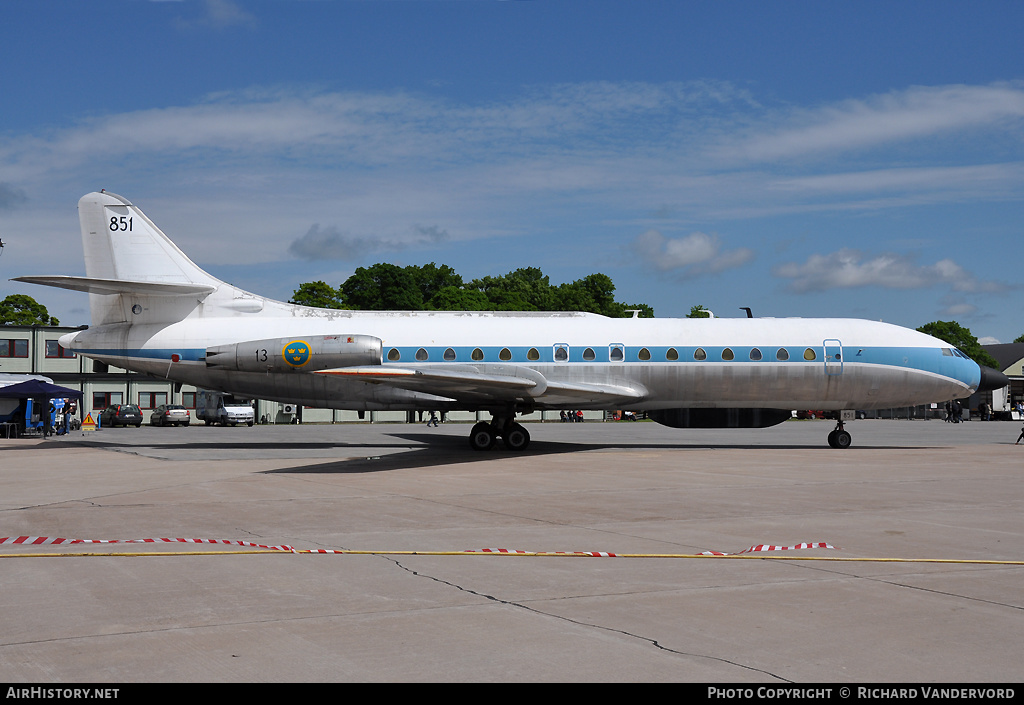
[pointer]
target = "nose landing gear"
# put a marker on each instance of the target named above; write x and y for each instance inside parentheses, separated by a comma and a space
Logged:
(840, 437)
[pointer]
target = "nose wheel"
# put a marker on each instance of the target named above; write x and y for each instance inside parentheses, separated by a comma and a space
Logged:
(840, 437)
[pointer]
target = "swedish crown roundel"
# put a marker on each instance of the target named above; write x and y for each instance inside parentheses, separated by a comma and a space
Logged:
(296, 353)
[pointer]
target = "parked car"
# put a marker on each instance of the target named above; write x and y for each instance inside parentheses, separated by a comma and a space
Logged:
(121, 415)
(170, 415)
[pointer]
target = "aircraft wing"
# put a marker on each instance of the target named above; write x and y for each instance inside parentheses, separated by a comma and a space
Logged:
(504, 384)
(94, 285)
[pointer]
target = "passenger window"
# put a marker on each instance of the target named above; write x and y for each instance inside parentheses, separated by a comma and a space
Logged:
(671, 354)
(477, 354)
(421, 355)
(394, 355)
(589, 355)
(755, 354)
(809, 354)
(782, 354)
(505, 354)
(449, 354)
(699, 354)
(727, 354)
(644, 354)
(615, 354)
(532, 354)
(561, 353)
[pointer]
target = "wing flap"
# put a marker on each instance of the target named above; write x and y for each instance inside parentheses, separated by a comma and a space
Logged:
(472, 385)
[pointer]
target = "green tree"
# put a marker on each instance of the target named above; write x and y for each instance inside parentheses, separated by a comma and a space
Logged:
(961, 338)
(430, 279)
(1019, 339)
(453, 298)
(22, 310)
(525, 289)
(383, 287)
(698, 311)
(318, 294)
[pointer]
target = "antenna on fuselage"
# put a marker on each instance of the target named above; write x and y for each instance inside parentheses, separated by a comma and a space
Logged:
(747, 309)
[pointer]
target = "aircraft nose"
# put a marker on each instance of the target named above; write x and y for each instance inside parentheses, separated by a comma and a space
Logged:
(992, 379)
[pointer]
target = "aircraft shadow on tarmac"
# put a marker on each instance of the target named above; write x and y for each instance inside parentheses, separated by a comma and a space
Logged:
(433, 450)
(411, 451)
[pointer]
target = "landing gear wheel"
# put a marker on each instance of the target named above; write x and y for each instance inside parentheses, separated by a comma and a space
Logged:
(482, 437)
(843, 439)
(840, 437)
(516, 437)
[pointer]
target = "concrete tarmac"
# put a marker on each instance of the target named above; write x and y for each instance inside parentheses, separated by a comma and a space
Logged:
(905, 490)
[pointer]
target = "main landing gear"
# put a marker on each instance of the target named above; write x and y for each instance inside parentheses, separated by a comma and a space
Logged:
(840, 437)
(484, 435)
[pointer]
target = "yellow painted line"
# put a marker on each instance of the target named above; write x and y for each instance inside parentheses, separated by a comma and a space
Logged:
(536, 554)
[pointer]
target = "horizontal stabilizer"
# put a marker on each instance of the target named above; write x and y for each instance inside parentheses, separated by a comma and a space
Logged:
(94, 285)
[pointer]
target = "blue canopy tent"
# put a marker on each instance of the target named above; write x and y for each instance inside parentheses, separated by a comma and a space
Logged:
(34, 391)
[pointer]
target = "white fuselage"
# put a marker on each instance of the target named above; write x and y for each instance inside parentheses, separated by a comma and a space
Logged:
(672, 363)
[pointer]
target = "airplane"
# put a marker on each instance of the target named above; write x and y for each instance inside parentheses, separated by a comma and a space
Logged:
(156, 312)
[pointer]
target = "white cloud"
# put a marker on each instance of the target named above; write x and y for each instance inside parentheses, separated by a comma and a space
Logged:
(330, 243)
(847, 269)
(898, 116)
(689, 256)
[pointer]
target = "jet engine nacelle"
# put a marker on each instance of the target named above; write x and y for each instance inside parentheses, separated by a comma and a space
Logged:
(299, 354)
(719, 418)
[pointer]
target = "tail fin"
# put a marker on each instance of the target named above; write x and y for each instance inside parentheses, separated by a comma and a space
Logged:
(124, 245)
(120, 242)
(134, 273)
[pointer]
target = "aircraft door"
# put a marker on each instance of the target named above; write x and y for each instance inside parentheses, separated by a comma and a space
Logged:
(833, 357)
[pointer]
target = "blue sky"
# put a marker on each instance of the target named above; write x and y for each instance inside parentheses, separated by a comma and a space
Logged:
(801, 158)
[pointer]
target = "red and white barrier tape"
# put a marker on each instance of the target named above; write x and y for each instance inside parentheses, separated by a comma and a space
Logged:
(761, 548)
(46, 541)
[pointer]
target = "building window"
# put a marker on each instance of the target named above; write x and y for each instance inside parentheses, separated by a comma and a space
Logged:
(151, 400)
(101, 400)
(188, 400)
(53, 349)
(13, 347)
